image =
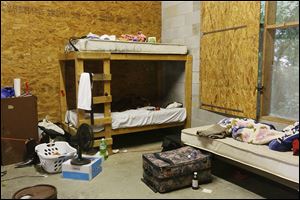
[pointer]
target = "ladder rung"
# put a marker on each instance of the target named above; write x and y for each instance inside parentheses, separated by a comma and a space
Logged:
(109, 141)
(105, 120)
(85, 55)
(99, 77)
(102, 77)
(102, 99)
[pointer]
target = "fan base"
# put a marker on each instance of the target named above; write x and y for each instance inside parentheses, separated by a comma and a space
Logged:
(82, 161)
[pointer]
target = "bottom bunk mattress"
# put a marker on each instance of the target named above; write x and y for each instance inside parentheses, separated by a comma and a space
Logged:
(281, 164)
(134, 117)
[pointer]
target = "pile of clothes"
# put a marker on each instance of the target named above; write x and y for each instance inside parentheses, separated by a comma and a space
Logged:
(290, 140)
(100, 37)
(140, 37)
(7, 92)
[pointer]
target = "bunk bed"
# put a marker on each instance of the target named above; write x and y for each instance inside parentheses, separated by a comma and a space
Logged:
(116, 52)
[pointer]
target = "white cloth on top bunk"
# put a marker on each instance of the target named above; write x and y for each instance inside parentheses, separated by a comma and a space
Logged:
(84, 92)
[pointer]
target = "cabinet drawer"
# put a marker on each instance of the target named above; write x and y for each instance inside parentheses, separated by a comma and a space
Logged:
(19, 117)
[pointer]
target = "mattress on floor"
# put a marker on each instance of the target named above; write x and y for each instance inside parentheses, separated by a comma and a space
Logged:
(135, 117)
(281, 164)
(129, 47)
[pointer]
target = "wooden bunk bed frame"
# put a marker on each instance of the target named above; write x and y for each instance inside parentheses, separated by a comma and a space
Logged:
(106, 58)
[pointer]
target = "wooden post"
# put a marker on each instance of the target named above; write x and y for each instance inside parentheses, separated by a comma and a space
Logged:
(159, 81)
(188, 90)
(63, 94)
(107, 106)
(268, 56)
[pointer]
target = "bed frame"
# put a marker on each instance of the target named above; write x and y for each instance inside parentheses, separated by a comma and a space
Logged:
(243, 155)
(106, 77)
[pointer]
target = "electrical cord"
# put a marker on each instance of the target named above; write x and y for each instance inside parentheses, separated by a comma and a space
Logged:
(22, 177)
(142, 150)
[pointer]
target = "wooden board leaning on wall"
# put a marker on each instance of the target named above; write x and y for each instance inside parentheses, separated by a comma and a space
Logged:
(229, 57)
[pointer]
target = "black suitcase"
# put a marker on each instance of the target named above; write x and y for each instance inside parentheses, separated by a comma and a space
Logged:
(171, 170)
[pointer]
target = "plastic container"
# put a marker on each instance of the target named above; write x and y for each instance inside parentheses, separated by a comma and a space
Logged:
(52, 155)
(103, 149)
(41, 191)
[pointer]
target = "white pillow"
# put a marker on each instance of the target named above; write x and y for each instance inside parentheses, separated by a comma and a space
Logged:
(174, 105)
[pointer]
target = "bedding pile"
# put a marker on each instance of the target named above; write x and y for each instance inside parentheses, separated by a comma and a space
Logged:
(278, 165)
(250, 131)
(290, 140)
(247, 130)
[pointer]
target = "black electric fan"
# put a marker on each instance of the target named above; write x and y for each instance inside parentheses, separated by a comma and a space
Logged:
(84, 141)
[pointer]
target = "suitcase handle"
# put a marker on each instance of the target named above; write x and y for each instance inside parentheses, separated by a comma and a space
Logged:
(164, 159)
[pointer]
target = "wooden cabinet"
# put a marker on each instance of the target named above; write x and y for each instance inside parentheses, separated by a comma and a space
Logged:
(19, 122)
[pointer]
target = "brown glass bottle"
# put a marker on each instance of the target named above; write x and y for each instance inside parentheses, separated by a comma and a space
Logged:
(195, 184)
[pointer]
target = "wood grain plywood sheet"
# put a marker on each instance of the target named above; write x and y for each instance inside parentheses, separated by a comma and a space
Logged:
(221, 14)
(229, 64)
(34, 33)
(134, 78)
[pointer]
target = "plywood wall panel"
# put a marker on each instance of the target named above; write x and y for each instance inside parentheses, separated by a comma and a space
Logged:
(34, 33)
(226, 14)
(134, 78)
(229, 58)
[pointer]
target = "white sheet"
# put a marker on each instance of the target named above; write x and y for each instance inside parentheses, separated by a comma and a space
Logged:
(135, 117)
(281, 164)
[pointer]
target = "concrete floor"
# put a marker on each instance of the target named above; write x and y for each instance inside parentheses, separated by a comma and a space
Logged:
(121, 178)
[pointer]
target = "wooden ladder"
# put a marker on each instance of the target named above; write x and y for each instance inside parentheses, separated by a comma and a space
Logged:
(106, 100)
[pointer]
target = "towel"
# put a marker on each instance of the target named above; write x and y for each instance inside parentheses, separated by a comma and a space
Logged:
(84, 92)
(215, 131)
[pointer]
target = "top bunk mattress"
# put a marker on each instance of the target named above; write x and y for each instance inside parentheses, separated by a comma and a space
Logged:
(129, 47)
(282, 164)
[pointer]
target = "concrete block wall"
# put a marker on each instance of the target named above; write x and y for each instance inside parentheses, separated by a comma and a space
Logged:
(181, 25)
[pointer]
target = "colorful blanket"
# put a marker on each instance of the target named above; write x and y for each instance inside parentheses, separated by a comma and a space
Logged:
(248, 130)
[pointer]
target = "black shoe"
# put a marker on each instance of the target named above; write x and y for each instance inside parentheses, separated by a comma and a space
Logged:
(30, 156)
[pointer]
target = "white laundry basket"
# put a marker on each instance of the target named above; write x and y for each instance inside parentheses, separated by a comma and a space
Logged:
(52, 155)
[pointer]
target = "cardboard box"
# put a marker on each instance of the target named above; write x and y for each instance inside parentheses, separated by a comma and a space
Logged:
(83, 172)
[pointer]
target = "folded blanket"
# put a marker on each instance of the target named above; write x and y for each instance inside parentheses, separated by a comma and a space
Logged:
(215, 131)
